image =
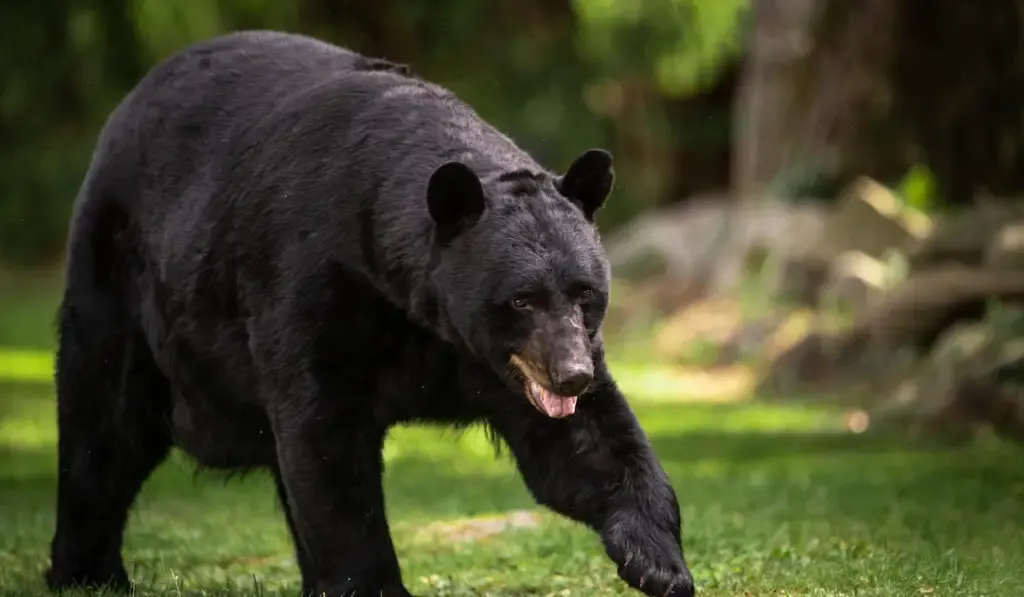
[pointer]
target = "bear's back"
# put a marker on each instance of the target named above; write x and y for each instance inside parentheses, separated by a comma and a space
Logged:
(224, 125)
(251, 126)
(202, 111)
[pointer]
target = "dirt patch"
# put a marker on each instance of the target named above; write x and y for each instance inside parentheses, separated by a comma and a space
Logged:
(478, 528)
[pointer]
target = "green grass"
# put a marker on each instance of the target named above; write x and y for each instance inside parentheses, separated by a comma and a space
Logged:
(776, 501)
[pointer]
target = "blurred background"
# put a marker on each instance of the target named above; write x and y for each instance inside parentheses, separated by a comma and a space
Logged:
(817, 207)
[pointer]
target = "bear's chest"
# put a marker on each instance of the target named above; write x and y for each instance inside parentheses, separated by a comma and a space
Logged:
(400, 371)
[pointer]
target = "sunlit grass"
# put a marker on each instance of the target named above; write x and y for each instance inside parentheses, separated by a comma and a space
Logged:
(20, 364)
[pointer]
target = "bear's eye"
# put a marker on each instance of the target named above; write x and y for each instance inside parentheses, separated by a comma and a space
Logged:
(586, 295)
(520, 303)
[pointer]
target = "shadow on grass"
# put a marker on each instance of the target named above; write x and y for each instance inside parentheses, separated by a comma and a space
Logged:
(753, 446)
(26, 467)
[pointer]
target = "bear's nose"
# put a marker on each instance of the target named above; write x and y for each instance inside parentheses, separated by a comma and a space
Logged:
(573, 379)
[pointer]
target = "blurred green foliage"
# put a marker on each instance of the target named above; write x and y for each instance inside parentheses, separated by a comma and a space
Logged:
(918, 188)
(558, 75)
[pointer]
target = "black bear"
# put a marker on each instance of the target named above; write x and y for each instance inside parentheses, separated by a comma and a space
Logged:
(281, 249)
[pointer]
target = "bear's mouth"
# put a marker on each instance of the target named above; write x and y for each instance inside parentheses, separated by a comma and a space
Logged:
(543, 399)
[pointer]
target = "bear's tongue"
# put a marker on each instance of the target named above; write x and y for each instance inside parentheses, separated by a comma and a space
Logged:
(549, 403)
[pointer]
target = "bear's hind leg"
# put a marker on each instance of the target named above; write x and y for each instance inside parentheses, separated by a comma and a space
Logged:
(112, 433)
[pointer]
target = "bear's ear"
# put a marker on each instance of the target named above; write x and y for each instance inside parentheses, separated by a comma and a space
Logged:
(589, 180)
(455, 200)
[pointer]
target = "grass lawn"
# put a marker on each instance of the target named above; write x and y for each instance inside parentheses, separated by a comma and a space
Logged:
(776, 500)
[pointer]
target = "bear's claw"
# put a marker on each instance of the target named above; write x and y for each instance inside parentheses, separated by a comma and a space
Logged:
(657, 581)
(649, 560)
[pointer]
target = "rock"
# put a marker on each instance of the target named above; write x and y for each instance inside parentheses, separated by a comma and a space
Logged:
(736, 336)
(855, 280)
(868, 218)
(747, 341)
(1007, 411)
(670, 241)
(795, 368)
(823, 362)
(933, 388)
(1006, 251)
(917, 311)
(845, 365)
(867, 221)
(799, 279)
(687, 240)
(643, 264)
(964, 238)
(955, 391)
(794, 327)
(766, 231)
(942, 315)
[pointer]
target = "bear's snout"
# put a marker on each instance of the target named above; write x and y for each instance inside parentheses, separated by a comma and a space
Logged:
(573, 376)
(569, 364)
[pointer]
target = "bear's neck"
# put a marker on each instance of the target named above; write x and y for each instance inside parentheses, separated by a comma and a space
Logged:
(406, 257)
(396, 231)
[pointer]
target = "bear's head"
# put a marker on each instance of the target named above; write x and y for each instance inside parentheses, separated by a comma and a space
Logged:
(521, 275)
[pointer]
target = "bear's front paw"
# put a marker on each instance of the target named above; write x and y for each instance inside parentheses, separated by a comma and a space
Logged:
(649, 560)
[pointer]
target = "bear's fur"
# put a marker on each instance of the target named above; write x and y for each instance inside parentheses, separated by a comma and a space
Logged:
(283, 248)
